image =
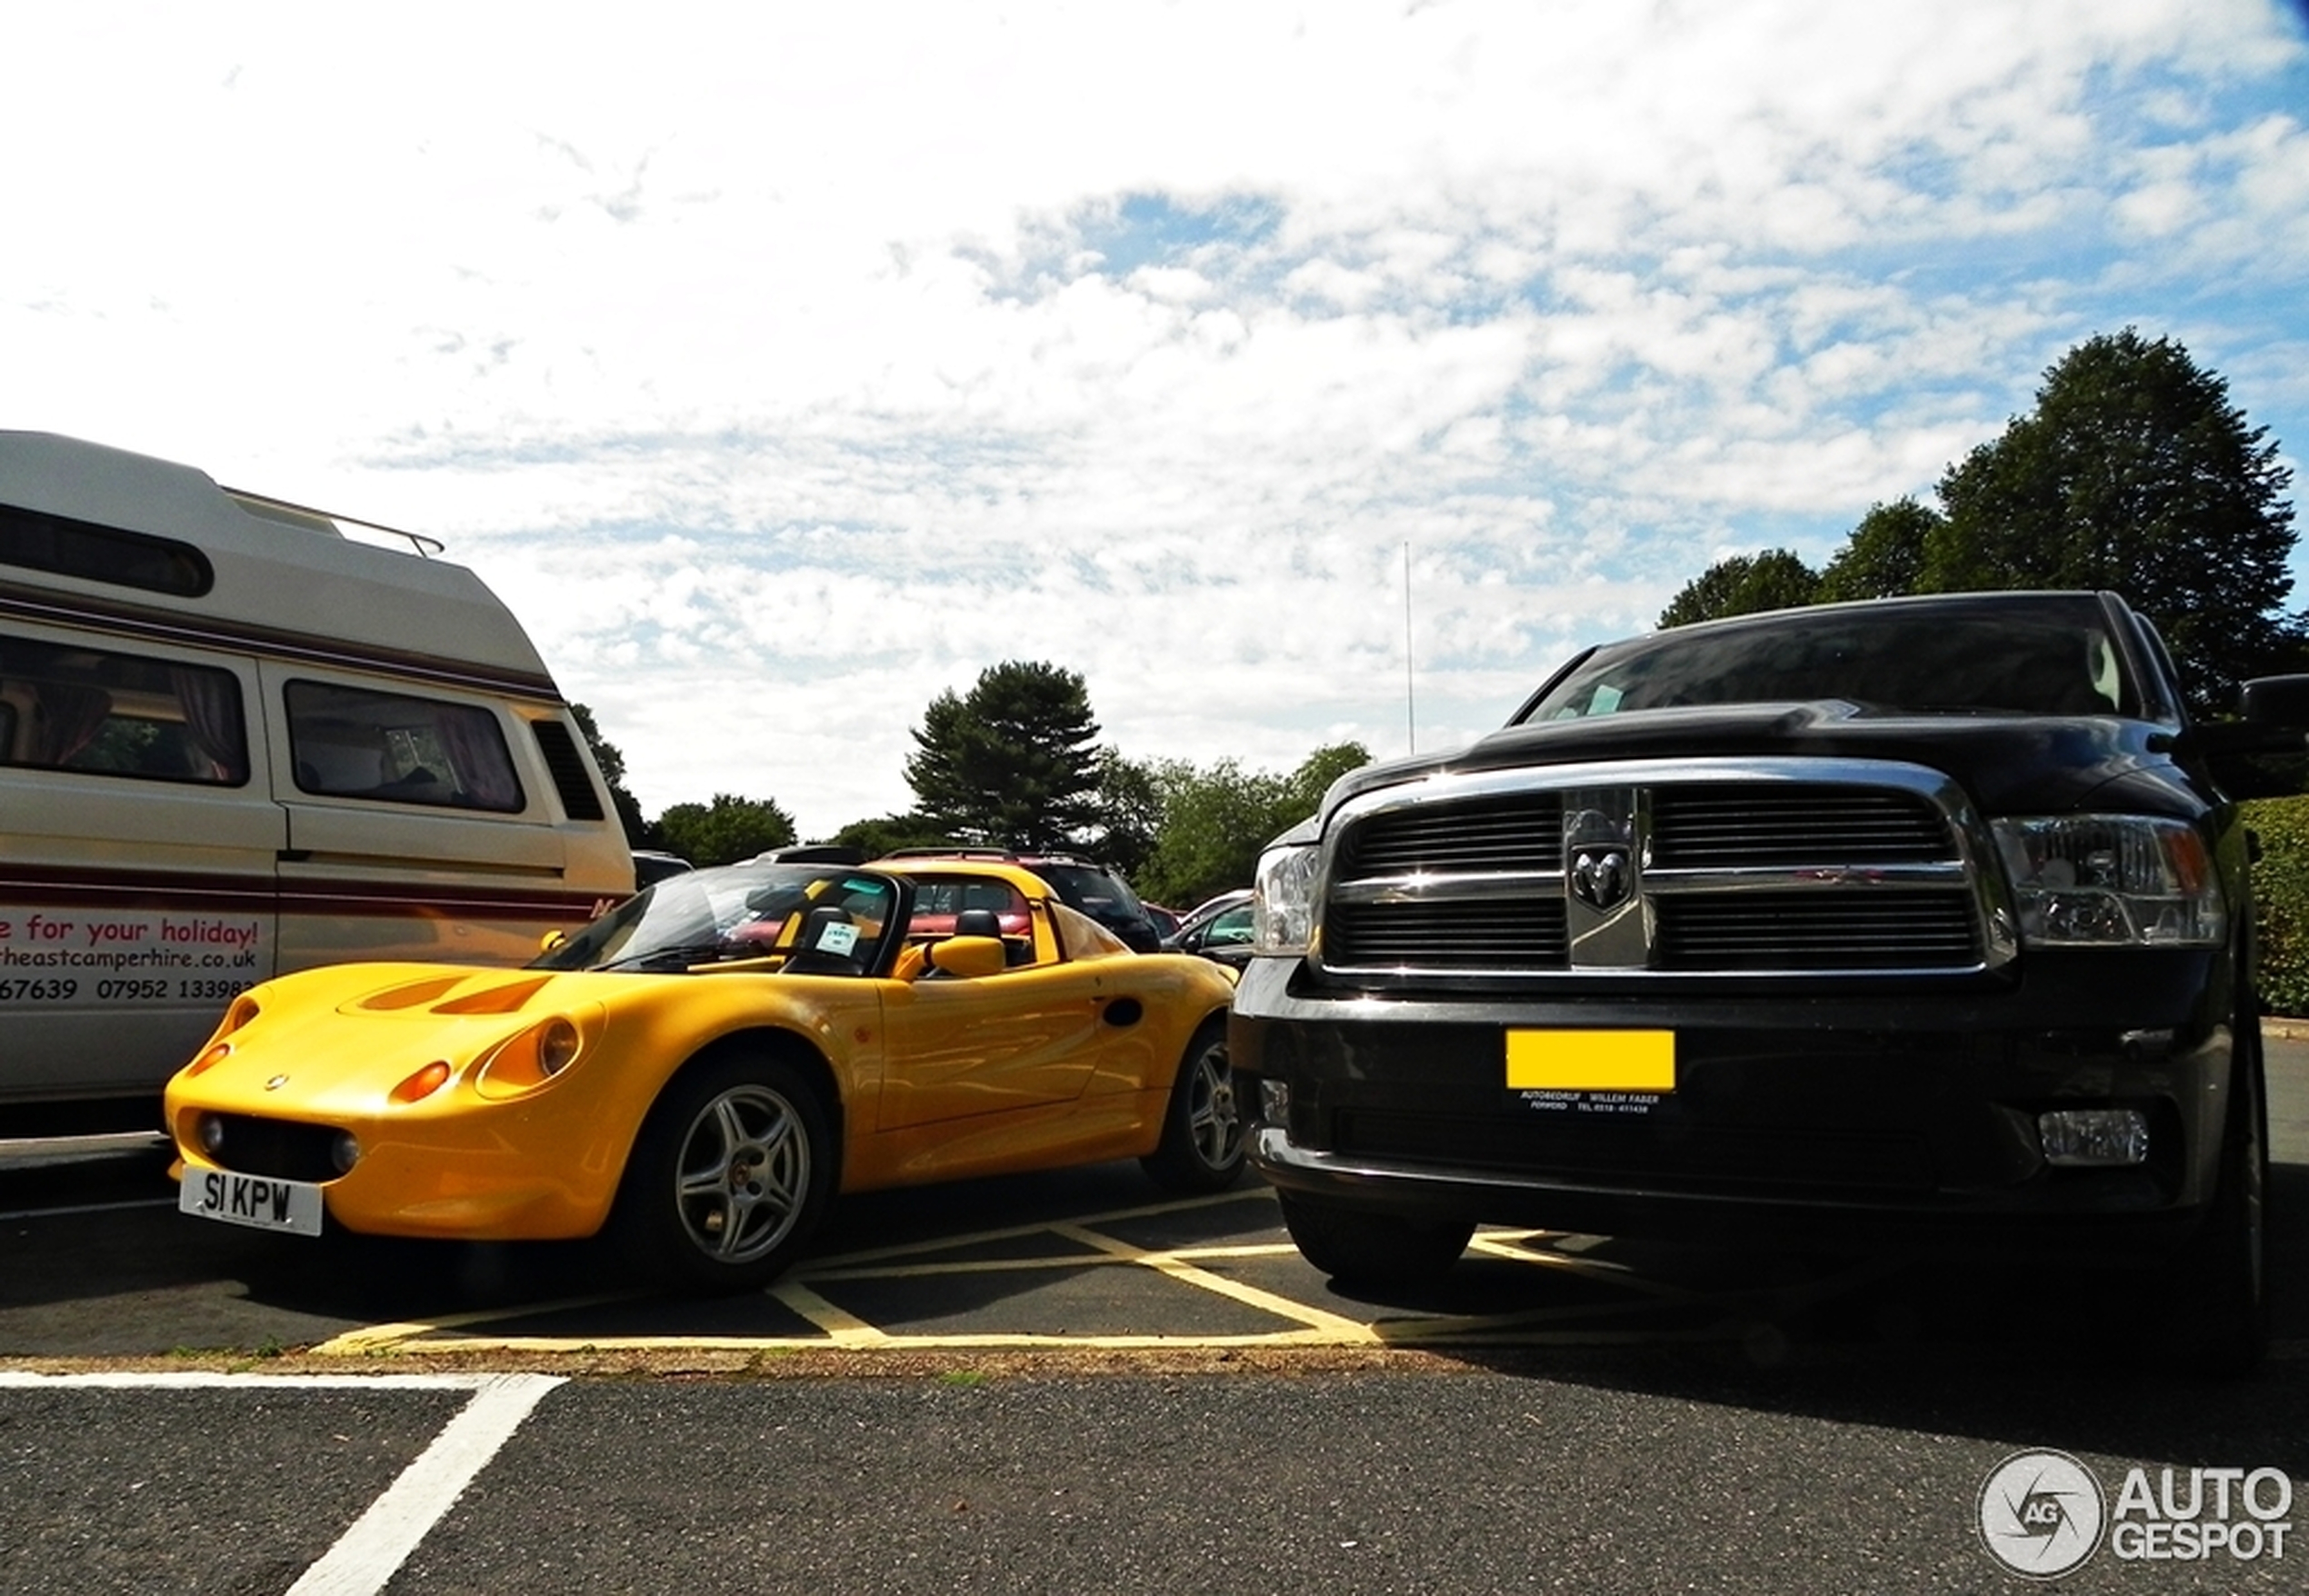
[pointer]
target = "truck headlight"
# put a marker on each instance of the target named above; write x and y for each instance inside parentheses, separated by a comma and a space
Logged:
(2112, 881)
(1283, 900)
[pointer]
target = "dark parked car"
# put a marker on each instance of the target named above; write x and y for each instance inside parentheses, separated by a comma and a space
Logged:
(1219, 929)
(1918, 922)
(1081, 884)
(651, 866)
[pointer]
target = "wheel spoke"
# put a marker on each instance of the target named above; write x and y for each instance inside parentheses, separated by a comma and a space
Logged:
(732, 1128)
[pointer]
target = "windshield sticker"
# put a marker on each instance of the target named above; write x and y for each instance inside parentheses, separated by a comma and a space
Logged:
(838, 939)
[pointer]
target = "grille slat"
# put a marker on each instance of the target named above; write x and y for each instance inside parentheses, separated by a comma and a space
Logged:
(1716, 830)
(1749, 825)
(1771, 931)
(1495, 935)
(1522, 833)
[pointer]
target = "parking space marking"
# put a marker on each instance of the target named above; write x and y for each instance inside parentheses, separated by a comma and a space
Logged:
(843, 1330)
(374, 1338)
(1511, 1245)
(367, 1555)
(1175, 1265)
(1089, 1243)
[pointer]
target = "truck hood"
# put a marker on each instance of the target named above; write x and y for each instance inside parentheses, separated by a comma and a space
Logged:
(2010, 764)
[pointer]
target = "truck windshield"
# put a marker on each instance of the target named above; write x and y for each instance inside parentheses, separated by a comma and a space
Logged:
(2052, 656)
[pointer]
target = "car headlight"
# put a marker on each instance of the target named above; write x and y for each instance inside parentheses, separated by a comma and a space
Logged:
(1282, 899)
(2112, 881)
(531, 1057)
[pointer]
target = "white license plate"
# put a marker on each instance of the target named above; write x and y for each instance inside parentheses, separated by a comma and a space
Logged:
(259, 1201)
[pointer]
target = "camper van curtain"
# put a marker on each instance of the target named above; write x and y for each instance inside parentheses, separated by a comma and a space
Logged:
(212, 704)
(478, 751)
(70, 717)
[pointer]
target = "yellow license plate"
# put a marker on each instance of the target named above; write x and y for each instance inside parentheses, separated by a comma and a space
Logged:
(1590, 1061)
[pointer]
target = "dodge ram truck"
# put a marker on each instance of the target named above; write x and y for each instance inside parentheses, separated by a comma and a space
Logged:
(1887, 924)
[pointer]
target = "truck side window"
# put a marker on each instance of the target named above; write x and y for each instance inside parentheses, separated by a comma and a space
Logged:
(105, 713)
(349, 742)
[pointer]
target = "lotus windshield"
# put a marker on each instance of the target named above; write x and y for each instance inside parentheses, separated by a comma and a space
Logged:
(802, 918)
(2050, 656)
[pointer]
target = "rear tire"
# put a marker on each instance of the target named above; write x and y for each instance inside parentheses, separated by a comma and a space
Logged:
(730, 1177)
(1370, 1246)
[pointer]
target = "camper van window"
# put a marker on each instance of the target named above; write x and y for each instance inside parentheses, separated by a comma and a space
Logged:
(115, 715)
(349, 742)
(102, 553)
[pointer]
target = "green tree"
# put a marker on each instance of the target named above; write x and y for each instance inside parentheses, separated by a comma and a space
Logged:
(1887, 555)
(1129, 812)
(727, 830)
(1305, 787)
(2136, 474)
(638, 832)
(1216, 820)
(889, 832)
(1743, 584)
(1012, 765)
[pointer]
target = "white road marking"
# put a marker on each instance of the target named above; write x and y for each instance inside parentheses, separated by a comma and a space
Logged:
(367, 1556)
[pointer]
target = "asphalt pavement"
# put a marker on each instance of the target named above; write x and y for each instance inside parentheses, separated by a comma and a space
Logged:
(1068, 1383)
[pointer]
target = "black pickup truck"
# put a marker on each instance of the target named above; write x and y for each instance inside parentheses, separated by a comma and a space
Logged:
(1893, 924)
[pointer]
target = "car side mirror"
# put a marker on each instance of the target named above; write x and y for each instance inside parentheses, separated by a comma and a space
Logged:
(551, 940)
(2275, 702)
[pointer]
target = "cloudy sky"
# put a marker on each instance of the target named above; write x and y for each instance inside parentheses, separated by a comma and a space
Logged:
(783, 367)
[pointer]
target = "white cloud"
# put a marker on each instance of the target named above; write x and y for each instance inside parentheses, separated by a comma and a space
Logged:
(785, 368)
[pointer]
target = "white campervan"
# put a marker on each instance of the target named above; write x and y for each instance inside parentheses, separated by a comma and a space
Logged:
(235, 741)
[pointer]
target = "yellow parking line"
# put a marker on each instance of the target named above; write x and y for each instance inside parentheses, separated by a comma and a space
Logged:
(839, 1329)
(1503, 1244)
(1171, 1265)
(375, 1337)
(1011, 1233)
(899, 1343)
(843, 1330)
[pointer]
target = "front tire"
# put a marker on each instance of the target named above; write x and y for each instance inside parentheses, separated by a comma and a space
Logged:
(1369, 1246)
(2224, 1293)
(1203, 1129)
(732, 1173)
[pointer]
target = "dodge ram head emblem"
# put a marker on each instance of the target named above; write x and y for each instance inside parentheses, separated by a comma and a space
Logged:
(1599, 876)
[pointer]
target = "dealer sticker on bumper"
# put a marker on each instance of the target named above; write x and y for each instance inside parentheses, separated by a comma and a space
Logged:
(259, 1201)
(1591, 1071)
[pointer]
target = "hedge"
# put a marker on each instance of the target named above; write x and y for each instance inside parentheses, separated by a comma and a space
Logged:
(2281, 897)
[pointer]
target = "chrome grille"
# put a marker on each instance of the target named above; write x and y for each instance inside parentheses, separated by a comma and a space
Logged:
(1526, 935)
(1714, 827)
(1783, 931)
(1523, 832)
(1687, 867)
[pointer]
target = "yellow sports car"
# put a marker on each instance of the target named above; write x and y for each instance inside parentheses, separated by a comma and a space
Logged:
(701, 1069)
